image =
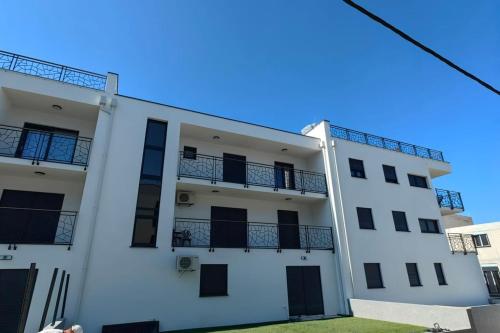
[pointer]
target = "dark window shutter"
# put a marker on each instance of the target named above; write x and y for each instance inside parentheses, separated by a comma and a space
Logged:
(418, 181)
(357, 168)
(400, 222)
(413, 276)
(365, 218)
(213, 280)
(440, 274)
(390, 174)
(373, 275)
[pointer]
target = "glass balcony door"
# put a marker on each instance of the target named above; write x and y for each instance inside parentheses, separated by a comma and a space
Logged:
(46, 143)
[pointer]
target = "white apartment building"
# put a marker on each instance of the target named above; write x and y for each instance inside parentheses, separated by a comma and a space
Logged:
(486, 237)
(117, 210)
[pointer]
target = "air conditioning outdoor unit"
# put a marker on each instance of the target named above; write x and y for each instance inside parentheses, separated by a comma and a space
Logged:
(187, 263)
(184, 198)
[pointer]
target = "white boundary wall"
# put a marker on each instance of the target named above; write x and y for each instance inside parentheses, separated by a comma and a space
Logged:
(477, 319)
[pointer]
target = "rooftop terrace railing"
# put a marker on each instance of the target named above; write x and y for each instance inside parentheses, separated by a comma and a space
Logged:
(461, 243)
(381, 142)
(449, 199)
(36, 145)
(210, 233)
(224, 169)
(48, 70)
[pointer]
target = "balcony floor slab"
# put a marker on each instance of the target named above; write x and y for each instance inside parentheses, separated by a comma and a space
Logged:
(239, 190)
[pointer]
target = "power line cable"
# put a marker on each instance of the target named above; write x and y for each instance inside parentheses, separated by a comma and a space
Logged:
(421, 46)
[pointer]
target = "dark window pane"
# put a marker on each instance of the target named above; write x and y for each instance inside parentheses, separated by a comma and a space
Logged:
(152, 164)
(189, 153)
(481, 240)
(373, 276)
(213, 280)
(357, 168)
(148, 198)
(429, 226)
(484, 240)
(365, 218)
(390, 174)
(418, 181)
(156, 133)
(413, 276)
(144, 231)
(400, 222)
(440, 274)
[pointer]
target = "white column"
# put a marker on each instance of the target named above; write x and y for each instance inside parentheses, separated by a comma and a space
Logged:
(344, 271)
(91, 196)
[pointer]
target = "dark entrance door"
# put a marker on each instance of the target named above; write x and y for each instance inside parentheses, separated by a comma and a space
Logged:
(228, 227)
(284, 175)
(13, 289)
(305, 296)
(288, 227)
(38, 224)
(47, 143)
(234, 168)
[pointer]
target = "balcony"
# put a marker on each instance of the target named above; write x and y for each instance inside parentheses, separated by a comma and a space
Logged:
(218, 169)
(389, 144)
(48, 70)
(211, 234)
(461, 243)
(450, 202)
(36, 226)
(37, 145)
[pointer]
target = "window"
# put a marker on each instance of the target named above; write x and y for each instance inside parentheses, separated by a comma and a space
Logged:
(429, 226)
(418, 181)
(413, 276)
(365, 218)
(373, 276)
(189, 153)
(481, 240)
(390, 174)
(148, 199)
(400, 222)
(440, 274)
(213, 280)
(357, 168)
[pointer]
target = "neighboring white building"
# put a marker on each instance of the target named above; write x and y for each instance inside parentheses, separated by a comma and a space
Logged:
(275, 224)
(486, 238)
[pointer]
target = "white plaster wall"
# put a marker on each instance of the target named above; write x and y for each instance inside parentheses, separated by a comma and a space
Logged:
(393, 249)
(490, 255)
(453, 318)
(60, 178)
(15, 116)
(47, 257)
(252, 155)
(142, 283)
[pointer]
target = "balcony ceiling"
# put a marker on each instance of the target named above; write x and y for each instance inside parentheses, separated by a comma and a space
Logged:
(37, 102)
(252, 142)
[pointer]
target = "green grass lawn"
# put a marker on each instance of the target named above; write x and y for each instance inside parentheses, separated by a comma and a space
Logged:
(337, 325)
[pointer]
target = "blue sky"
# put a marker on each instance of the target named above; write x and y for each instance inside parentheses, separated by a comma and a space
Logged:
(287, 63)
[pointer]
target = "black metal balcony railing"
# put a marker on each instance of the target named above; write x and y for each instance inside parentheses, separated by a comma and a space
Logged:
(449, 199)
(212, 234)
(36, 226)
(39, 146)
(381, 142)
(216, 169)
(48, 70)
(461, 243)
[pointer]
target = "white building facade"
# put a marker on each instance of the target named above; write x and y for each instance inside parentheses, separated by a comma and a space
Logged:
(102, 195)
(486, 237)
